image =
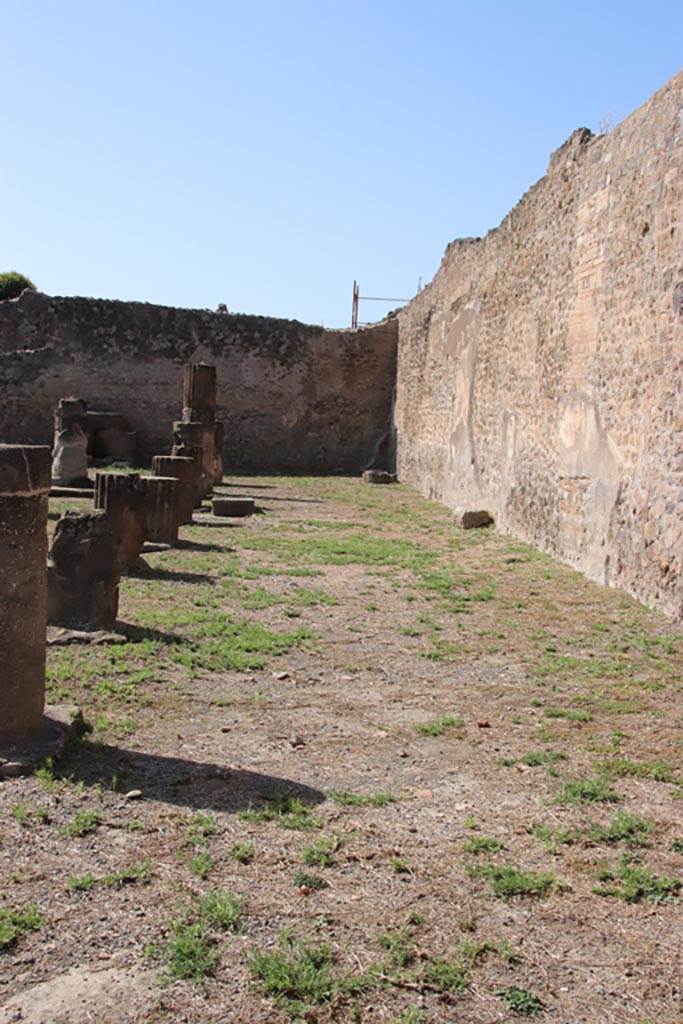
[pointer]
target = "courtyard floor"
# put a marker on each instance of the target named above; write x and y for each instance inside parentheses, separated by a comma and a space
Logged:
(345, 762)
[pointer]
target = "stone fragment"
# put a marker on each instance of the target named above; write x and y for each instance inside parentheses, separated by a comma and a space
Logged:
(468, 519)
(194, 452)
(184, 469)
(161, 508)
(218, 446)
(122, 496)
(24, 486)
(232, 506)
(83, 572)
(379, 476)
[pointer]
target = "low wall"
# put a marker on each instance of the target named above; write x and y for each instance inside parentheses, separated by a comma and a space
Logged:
(540, 375)
(293, 397)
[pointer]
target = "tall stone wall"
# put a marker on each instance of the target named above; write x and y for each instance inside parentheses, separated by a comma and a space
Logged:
(540, 375)
(293, 397)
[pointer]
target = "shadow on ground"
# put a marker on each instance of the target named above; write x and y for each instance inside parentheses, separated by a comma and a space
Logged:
(175, 780)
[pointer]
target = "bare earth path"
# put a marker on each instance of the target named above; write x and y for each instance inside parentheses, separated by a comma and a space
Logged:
(347, 763)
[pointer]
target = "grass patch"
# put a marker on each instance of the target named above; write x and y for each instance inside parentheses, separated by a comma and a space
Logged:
(297, 975)
(15, 923)
(632, 881)
(483, 844)
(507, 881)
(286, 811)
(521, 1001)
(437, 728)
(350, 799)
(587, 791)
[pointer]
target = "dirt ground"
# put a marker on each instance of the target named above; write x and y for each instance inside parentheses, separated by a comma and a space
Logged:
(432, 775)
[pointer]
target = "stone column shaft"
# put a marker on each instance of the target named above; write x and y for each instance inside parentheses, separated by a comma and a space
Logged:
(122, 497)
(161, 508)
(24, 487)
(199, 404)
(185, 471)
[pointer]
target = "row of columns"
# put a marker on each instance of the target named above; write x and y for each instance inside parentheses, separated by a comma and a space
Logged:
(128, 510)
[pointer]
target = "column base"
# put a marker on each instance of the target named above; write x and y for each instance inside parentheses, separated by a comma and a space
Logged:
(22, 756)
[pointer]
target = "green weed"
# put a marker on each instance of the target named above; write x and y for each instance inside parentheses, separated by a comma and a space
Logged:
(519, 1000)
(14, 923)
(586, 791)
(438, 727)
(633, 882)
(286, 811)
(507, 881)
(349, 799)
(243, 853)
(483, 844)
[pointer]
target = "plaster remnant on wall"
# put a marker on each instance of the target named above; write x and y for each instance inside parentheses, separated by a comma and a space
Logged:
(557, 404)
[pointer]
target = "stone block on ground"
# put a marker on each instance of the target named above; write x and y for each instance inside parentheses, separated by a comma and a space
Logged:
(232, 507)
(379, 476)
(470, 519)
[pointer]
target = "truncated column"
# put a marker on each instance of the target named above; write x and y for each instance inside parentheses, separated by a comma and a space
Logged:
(24, 487)
(122, 497)
(199, 405)
(161, 508)
(185, 471)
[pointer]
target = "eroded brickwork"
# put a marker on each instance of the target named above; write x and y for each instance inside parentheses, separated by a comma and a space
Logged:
(540, 375)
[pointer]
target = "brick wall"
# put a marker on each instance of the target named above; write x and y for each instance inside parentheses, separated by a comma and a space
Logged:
(540, 375)
(293, 397)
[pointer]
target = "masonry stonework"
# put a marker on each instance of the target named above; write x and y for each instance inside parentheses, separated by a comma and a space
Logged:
(292, 397)
(540, 374)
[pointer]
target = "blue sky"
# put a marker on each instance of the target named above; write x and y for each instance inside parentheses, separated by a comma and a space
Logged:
(264, 154)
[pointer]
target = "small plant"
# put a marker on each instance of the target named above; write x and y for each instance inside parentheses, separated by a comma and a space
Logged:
(286, 811)
(308, 882)
(398, 943)
(13, 923)
(243, 853)
(190, 953)
(82, 883)
(222, 910)
(519, 1000)
(200, 828)
(349, 799)
(568, 714)
(321, 852)
(584, 791)
(446, 975)
(20, 812)
(439, 727)
(84, 822)
(411, 1015)
(399, 865)
(201, 864)
(542, 758)
(507, 880)
(483, 844)
(296, 975)
(634, 882)
(622, 827)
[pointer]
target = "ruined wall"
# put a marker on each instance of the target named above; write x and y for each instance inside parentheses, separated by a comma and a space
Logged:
(293, 397)
(540, 375)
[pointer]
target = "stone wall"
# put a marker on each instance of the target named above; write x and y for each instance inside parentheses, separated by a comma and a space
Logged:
(293, 397)
(540, 375)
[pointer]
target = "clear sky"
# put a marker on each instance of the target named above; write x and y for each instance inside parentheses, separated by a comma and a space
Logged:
(266, 153)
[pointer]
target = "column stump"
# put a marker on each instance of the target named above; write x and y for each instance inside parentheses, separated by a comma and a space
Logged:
(29, 731)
